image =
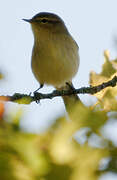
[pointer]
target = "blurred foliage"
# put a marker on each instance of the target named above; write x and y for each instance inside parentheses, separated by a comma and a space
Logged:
(60, 153)
(1, 75)
(107, 97)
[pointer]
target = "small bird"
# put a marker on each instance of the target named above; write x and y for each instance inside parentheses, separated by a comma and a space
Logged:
(55, 57)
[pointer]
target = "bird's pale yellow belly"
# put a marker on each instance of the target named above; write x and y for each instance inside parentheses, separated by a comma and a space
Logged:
(56, 66)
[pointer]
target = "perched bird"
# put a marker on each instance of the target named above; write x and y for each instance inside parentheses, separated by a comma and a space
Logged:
(55, 58)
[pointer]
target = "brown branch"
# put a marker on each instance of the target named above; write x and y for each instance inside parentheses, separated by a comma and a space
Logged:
(27, 99)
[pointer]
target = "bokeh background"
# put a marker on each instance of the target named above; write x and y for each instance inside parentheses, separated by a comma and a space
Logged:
(92, 24)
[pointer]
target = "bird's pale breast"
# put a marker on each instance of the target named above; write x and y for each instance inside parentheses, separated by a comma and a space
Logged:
(55, 61)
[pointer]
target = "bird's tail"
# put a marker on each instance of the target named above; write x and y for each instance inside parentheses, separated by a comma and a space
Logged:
(71, 100)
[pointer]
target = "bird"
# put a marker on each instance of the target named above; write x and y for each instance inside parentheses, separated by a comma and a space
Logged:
(55, 54)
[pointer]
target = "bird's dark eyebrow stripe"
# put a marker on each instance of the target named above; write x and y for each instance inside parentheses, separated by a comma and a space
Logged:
(51, 21)
(48, 20)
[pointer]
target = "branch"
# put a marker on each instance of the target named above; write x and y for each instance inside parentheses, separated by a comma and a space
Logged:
(27, 99)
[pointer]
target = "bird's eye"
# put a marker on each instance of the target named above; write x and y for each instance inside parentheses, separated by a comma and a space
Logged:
(44, 20)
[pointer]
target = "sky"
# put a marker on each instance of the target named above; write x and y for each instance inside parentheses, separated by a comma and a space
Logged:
(92, 24)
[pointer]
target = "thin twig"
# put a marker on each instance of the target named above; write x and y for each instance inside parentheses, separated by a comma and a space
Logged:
(27, 99)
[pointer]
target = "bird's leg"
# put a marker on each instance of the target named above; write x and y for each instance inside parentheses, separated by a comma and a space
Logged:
(70, 86)
(35, 93)
(41, 86)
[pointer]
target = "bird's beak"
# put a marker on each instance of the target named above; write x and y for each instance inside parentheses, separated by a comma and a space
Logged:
(27, 20)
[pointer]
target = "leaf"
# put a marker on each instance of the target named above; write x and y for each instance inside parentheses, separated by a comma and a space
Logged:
(106, 97)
